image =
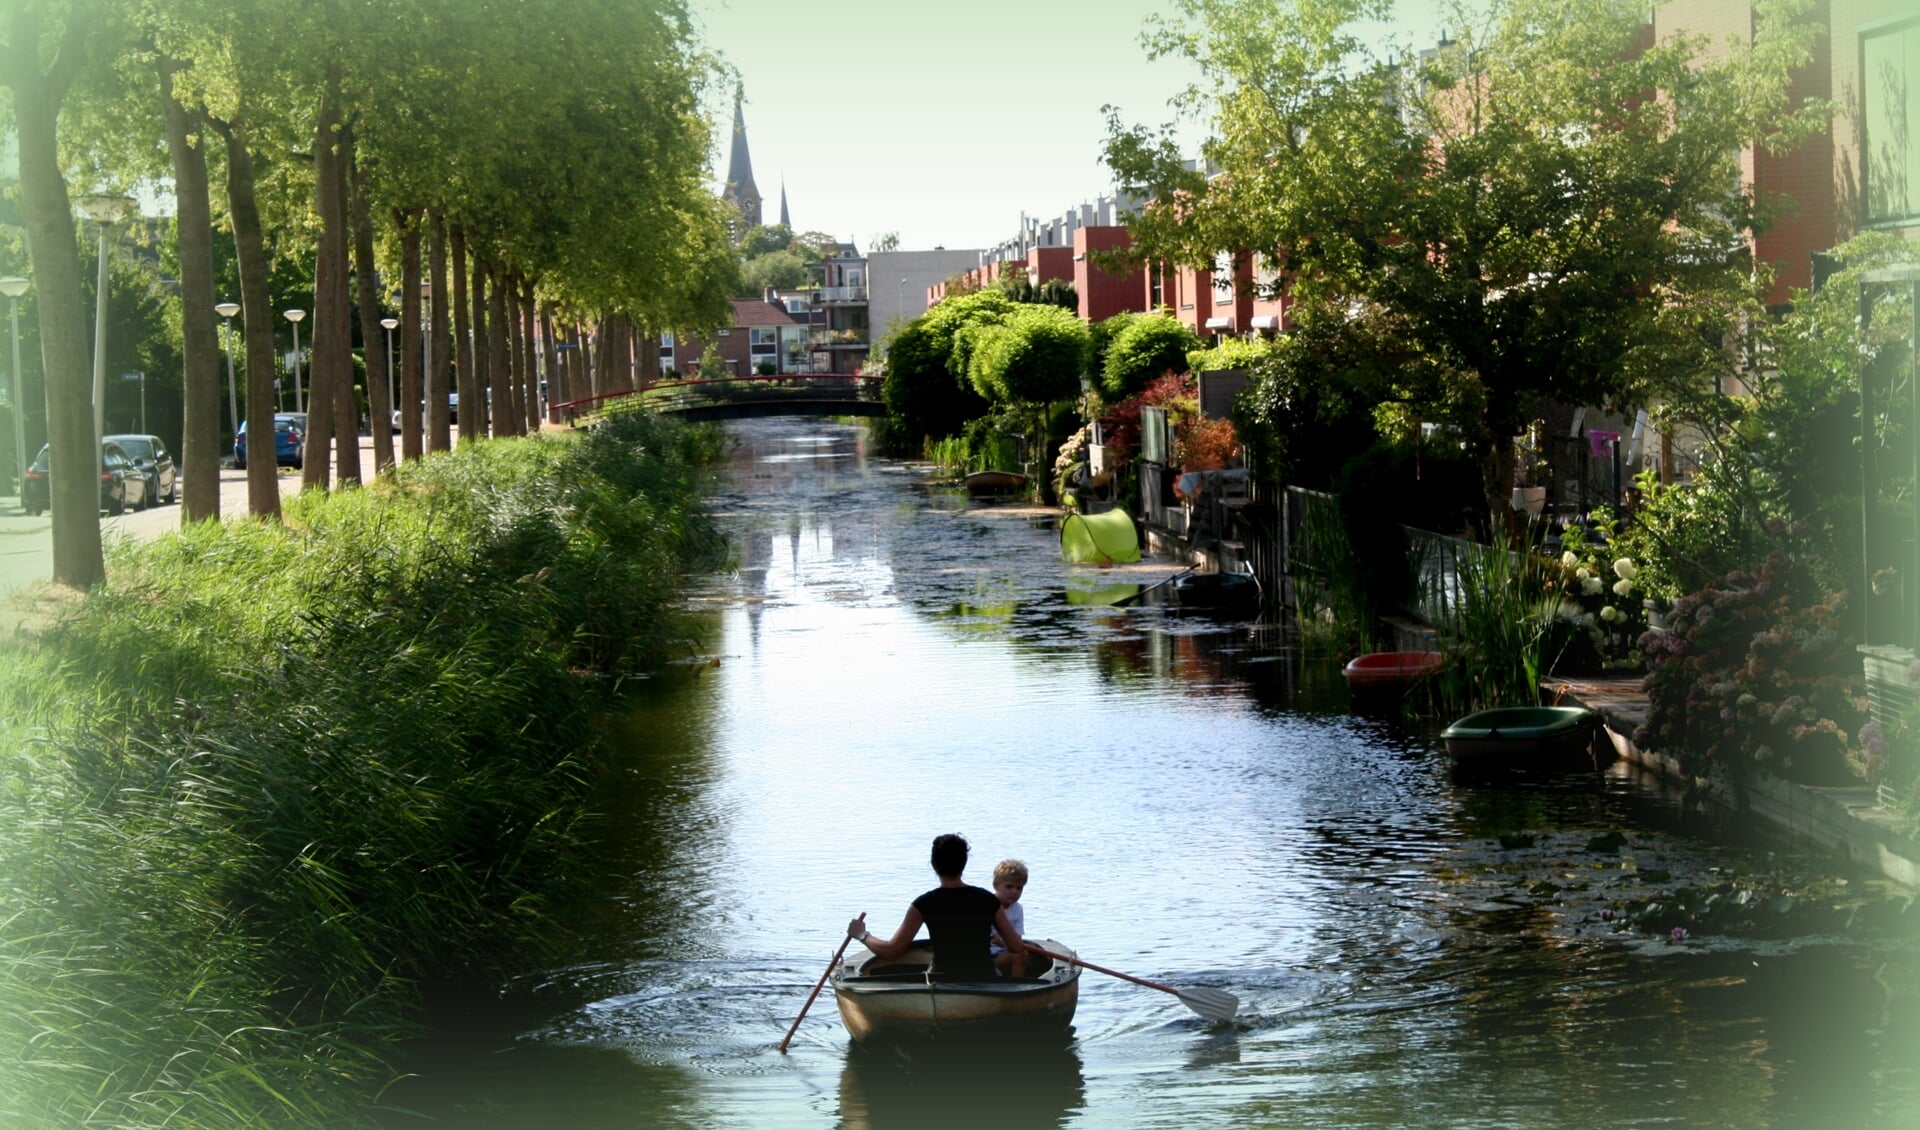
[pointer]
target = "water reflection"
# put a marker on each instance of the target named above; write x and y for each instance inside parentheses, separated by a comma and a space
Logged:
(1025, 1085)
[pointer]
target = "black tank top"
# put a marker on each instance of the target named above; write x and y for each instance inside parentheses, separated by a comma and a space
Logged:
(959, 920)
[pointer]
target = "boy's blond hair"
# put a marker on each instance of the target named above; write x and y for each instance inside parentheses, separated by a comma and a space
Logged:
(1010, 869)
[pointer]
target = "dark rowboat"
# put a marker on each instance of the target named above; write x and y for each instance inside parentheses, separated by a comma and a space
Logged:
(1519, 734)
(995, 482)
(1391, 670)
(899, 1000)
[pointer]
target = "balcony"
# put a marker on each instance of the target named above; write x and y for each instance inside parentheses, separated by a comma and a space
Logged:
(828, 295)
(838, 339)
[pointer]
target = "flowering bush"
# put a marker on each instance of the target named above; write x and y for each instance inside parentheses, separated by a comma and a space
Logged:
(1752, 676)
(1600, 597)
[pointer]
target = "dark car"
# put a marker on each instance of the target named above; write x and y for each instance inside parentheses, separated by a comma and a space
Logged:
(289, 440)
(122, 484)
(151, 457)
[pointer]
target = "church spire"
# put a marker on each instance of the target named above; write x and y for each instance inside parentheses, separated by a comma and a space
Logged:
(740, 190)
(784, 221)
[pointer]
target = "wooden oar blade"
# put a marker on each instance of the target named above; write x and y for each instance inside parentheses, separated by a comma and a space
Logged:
(1214, 1004)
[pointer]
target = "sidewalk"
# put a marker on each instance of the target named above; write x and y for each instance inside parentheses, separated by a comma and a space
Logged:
(1847, 821)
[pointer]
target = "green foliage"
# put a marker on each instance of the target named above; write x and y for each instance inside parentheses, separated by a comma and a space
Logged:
(712, 365)
(926, 387)
(1146, 347)
(1517, 212)
(1036, 355)
(270, 778)
(1054, 292)
(1308, 407)
(1231, 353)
(782, 270)
(1756, 673)
(1500, 627)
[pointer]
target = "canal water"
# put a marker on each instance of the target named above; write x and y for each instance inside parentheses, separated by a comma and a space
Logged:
(888, 661)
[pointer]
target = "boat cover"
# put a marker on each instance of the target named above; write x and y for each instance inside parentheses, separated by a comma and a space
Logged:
(1107, 538)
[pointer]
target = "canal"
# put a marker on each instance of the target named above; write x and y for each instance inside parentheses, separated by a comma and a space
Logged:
(1196, 805)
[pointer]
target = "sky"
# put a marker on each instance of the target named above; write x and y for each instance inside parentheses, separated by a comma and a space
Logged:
(942, 121)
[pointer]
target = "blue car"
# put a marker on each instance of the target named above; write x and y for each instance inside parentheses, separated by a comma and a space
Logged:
(289, 440)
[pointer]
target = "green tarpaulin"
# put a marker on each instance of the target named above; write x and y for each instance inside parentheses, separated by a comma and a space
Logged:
(1099, 539)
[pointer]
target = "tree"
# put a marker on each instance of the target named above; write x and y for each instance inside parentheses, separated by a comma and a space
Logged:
(1035, 356)
(1520, 207)
(926, 387)
(1146, 346)
(44, 51)
(885, 241)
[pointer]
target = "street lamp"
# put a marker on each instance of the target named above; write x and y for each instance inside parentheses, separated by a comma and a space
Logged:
(227, 310)
(294, 316)
(13, 288)
(104, 210)
(393, 398)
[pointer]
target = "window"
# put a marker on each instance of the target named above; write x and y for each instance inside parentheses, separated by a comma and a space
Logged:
(666, 349)
(1890, 159)
(762, 340)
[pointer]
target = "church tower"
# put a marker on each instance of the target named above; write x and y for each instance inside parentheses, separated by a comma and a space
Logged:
(740, 191)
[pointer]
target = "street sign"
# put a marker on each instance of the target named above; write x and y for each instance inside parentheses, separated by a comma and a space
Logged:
(133, 376)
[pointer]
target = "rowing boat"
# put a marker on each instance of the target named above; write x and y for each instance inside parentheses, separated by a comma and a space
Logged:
(901, 999)
(1519, 733)
(1391, 670)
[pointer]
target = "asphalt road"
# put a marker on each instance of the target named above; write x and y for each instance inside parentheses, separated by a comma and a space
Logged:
(26, 544)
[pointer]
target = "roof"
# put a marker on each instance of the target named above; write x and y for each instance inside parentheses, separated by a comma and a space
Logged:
(760, 312)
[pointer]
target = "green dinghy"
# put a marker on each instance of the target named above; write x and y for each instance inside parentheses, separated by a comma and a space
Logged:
(1519, 733)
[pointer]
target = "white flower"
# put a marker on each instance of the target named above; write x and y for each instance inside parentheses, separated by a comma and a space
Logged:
(1592, 586)
(1624, 568)
(1569, 559)
(1622, 587)
(1582, 573)
(1609, 614)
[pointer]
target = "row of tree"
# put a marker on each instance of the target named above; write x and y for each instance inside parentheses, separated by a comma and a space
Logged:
(524, 163)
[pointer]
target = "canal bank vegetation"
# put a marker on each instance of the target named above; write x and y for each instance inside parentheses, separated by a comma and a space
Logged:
(270, 780)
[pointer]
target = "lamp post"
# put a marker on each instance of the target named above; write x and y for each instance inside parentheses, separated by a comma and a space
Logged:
(105, 211)
(13, 288)
(227, 310)
(294, 316)
(393, 397)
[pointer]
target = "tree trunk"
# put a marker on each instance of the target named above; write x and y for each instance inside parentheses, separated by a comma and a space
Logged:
(530, 363)
(200, 345)
(372, 335)
(469, 388)
(412, 335)
(649, 345)
(346, 418)
(77, 559)
(498, 377)
(329, 252)
(477, 308)
(439, 346)
(516, 373)
(558, 389)
(256, 319)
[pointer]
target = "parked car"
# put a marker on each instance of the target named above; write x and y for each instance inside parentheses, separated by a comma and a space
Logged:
(151, 457)
(453, 410)
(122, 484)
(289, 440)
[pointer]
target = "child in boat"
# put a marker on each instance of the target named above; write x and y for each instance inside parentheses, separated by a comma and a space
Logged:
(1009, 881)
(959, 919)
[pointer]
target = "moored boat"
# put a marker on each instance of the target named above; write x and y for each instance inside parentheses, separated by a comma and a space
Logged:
(1519, 734)
(995, 482)
(899, 1000)
(1391, 670)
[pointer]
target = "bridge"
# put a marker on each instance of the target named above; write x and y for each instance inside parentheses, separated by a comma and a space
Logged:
(735, 398)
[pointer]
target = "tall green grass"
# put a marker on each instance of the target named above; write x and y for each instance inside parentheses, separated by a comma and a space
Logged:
(1496, 628)
(270, 779)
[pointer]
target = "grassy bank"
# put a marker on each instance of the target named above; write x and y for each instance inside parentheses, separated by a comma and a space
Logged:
(271, 778)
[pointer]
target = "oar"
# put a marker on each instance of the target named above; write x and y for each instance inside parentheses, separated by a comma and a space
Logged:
(1137, 596)
(1214, 1004)
(816, 992)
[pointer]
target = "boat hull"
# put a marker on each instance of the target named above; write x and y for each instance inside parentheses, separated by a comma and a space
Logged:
(1519, 734)
(896, 1001)
(995, 482)
(1391, 670)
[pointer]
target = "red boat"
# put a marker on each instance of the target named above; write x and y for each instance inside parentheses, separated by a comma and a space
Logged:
(1384, 670)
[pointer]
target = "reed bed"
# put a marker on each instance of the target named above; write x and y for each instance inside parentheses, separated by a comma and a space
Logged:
(271, 778)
